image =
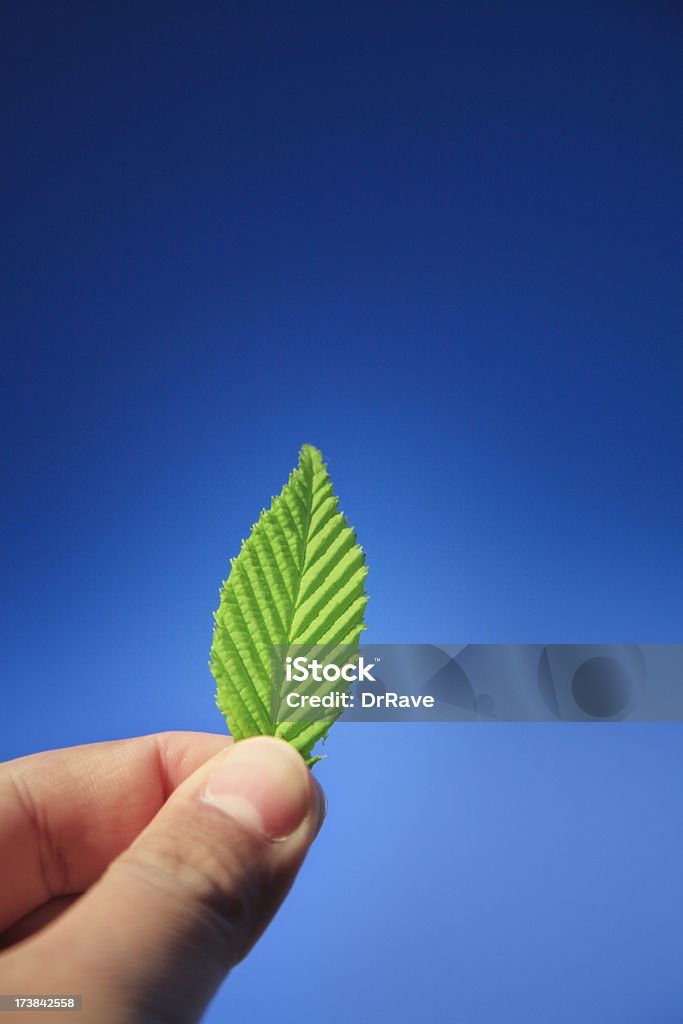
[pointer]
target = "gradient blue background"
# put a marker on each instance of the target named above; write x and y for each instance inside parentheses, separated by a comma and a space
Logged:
(443, 242)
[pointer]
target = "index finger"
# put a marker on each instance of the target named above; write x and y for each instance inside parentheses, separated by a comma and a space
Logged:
(65, 814)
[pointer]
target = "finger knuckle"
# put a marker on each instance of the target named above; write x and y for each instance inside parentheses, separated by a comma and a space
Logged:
(214, 886)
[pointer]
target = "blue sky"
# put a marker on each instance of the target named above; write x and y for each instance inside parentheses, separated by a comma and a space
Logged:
(443, 245)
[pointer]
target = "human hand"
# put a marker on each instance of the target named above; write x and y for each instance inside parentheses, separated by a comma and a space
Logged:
(138, 872)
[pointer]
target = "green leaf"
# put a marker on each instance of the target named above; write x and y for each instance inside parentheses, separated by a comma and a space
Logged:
(299, 579)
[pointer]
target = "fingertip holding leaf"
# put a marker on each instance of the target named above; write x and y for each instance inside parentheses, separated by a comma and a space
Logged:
(299, 579)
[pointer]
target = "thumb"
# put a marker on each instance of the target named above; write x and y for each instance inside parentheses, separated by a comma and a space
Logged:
(155, 936)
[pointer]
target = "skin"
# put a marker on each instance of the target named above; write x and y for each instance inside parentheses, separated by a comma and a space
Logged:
(126, 881)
